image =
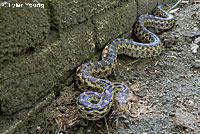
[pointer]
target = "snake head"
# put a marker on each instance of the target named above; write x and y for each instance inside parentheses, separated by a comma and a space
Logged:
(122, 97)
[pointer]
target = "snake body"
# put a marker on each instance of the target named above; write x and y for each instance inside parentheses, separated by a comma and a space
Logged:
(93, 105)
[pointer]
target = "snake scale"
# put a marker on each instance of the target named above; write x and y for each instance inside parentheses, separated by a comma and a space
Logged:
(93, 105)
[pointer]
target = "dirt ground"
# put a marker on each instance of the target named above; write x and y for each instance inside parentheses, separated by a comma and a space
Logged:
(166, 90)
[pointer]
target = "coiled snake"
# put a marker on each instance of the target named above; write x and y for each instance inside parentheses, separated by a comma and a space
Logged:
(94, 105)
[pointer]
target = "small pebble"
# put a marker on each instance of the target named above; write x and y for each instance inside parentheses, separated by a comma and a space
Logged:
(190, 103)
(196, 65)
(196, 29)
(171, 114)
(38, 128)
(194, 48)
(197, 40)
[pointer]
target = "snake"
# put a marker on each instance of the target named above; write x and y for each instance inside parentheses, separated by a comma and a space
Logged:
(100, 94)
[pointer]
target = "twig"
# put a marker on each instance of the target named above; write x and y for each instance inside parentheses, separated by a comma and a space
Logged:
(135, 116)
(133, 62)
(174, 5)
(106, 125)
